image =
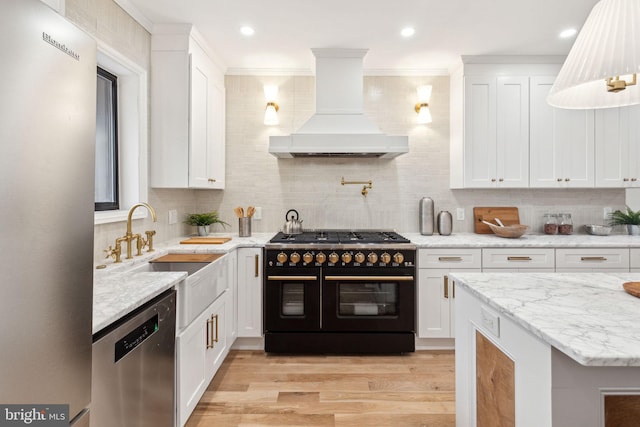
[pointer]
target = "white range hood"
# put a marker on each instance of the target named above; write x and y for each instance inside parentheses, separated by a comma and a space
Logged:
(338, 128)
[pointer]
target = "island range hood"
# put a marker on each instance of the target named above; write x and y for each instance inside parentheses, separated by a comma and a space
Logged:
(339, 127)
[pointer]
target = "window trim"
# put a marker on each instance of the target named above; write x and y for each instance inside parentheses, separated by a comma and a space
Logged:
(132, 134)
(115, 205)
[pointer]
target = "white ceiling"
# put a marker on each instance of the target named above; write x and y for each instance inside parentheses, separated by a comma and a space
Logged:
(285, 30)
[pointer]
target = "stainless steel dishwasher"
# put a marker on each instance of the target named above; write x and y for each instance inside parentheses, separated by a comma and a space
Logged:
(133, 378)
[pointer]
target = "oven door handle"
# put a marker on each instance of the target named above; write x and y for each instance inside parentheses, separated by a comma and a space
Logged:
(297, 278)
(377, 278)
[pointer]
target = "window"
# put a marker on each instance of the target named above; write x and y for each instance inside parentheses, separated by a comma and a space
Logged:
(106, 180)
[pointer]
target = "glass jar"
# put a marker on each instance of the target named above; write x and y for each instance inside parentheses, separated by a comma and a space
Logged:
(550, 224)
(565, 225)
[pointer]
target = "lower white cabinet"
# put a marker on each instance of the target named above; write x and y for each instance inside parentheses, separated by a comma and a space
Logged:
(250, 292)
(518, 259)
(598, 259)
(634, 260)
(200, 350)
(436, 292)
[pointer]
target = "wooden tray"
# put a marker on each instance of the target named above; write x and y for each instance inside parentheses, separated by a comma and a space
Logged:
(508, 216)
(632, 288)
(205, 241)
(187, 258)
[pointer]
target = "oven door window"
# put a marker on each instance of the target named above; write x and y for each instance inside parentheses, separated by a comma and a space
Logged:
(292, 299)
(367, 299)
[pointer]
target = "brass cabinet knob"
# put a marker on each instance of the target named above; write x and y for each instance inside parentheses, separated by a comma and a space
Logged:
(625, 179)
(559, 179)
(372, 258)
(307, 257)
(634, 179)
(359, 257)
(211, 180)
(282, 257)
(295, 257)
(501, 180)
(321, 258)
(333, 257)
(346, 257)
(567, 179)
(398, 258)
(385, 257)
(493, 180)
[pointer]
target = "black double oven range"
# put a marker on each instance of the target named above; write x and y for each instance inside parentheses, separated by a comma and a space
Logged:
(340, 292)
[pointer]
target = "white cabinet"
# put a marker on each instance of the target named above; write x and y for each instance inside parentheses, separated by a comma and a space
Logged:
(496, 132)
(634, 255)
(200, 350)
(250, 292)
(561, 142)
(600, 259)
(616, 147)
(436, 292)
(518, 259)
(231, 277)
(187, 112)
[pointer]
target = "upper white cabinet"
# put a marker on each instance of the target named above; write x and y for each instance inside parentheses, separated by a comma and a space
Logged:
(187, 111)
(496, 132)
(561, 142)
(617, 148)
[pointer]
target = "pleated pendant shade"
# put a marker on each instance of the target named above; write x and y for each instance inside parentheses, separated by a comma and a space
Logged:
(607, 46)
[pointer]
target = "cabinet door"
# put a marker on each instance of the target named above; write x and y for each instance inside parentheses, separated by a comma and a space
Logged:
(216, 336)
(231, 277)
(561, 142)
(617, 133)
(479, 132)
(434, 307)
(250, 292)
(512, 124)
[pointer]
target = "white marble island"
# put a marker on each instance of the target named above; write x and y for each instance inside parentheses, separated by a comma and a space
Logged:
(547, 349)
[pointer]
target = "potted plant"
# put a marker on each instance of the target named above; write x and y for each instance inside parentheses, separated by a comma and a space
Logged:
(203, 221)
(630, 218)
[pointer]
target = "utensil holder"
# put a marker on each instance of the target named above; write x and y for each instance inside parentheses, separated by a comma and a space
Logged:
(244, 226)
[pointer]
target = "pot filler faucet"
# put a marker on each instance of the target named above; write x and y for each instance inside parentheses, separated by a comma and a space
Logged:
(130, 237)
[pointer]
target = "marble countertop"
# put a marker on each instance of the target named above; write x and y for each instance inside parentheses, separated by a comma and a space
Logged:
(587, 316)
(472, 240)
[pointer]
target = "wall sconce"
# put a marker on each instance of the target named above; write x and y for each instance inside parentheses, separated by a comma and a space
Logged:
(271, 112)
(422, 107)
(602, 66)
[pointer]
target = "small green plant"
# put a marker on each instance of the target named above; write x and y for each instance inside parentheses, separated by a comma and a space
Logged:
(630, 217)
(205, 218)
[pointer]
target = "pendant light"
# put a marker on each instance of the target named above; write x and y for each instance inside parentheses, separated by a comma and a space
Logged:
(602, 66)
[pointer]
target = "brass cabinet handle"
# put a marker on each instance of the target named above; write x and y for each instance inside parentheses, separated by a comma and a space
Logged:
(493, 180)
(208, 326)
(559, 179)
(453, 288)
(634, 179)
(567, 179)
(446, 287)
(519, 258)
(625, 179)
(360, 278)
(501, 180)
(211, 180)
(216, 338)
(257, 265)
(450, 258)
(292, 278)
(593, 258)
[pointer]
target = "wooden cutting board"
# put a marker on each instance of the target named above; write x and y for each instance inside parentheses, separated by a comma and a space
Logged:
(187, 258)
(508, 216)
(632, 288)
(205, 241)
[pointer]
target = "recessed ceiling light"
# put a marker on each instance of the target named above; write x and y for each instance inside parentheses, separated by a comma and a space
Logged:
(247, 31)
(568, 33)
(407, 32)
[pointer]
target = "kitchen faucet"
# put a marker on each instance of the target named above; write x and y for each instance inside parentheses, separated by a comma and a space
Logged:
(129, 236)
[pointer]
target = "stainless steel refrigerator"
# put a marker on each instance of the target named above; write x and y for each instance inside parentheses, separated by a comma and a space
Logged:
(47, 139)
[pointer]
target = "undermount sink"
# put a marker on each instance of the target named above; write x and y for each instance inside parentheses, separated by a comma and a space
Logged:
(204, 282)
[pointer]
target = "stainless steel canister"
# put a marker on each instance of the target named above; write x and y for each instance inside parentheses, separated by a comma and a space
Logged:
(426, 216)
(244, 226)
(445, 223)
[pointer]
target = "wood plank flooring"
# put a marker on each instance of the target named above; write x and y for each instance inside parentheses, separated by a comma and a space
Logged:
(253, 388)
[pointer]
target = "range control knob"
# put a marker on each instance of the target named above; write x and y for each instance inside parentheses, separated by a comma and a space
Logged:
(333, 257)
(282, 257)
(398, 258)
(346, 257)
(295, 257)
(372, 258)
(307, 257)
(359, 257)
(385, 258)
(321, 258)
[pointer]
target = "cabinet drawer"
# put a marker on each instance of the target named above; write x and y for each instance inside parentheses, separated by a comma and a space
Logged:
(518, 258)
(449, 258)
(592, 258)
(635, 258)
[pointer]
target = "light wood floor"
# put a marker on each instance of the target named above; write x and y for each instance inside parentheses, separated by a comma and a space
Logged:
(253, 388)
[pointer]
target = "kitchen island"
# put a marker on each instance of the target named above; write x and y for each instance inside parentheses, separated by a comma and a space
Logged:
(547, 349)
